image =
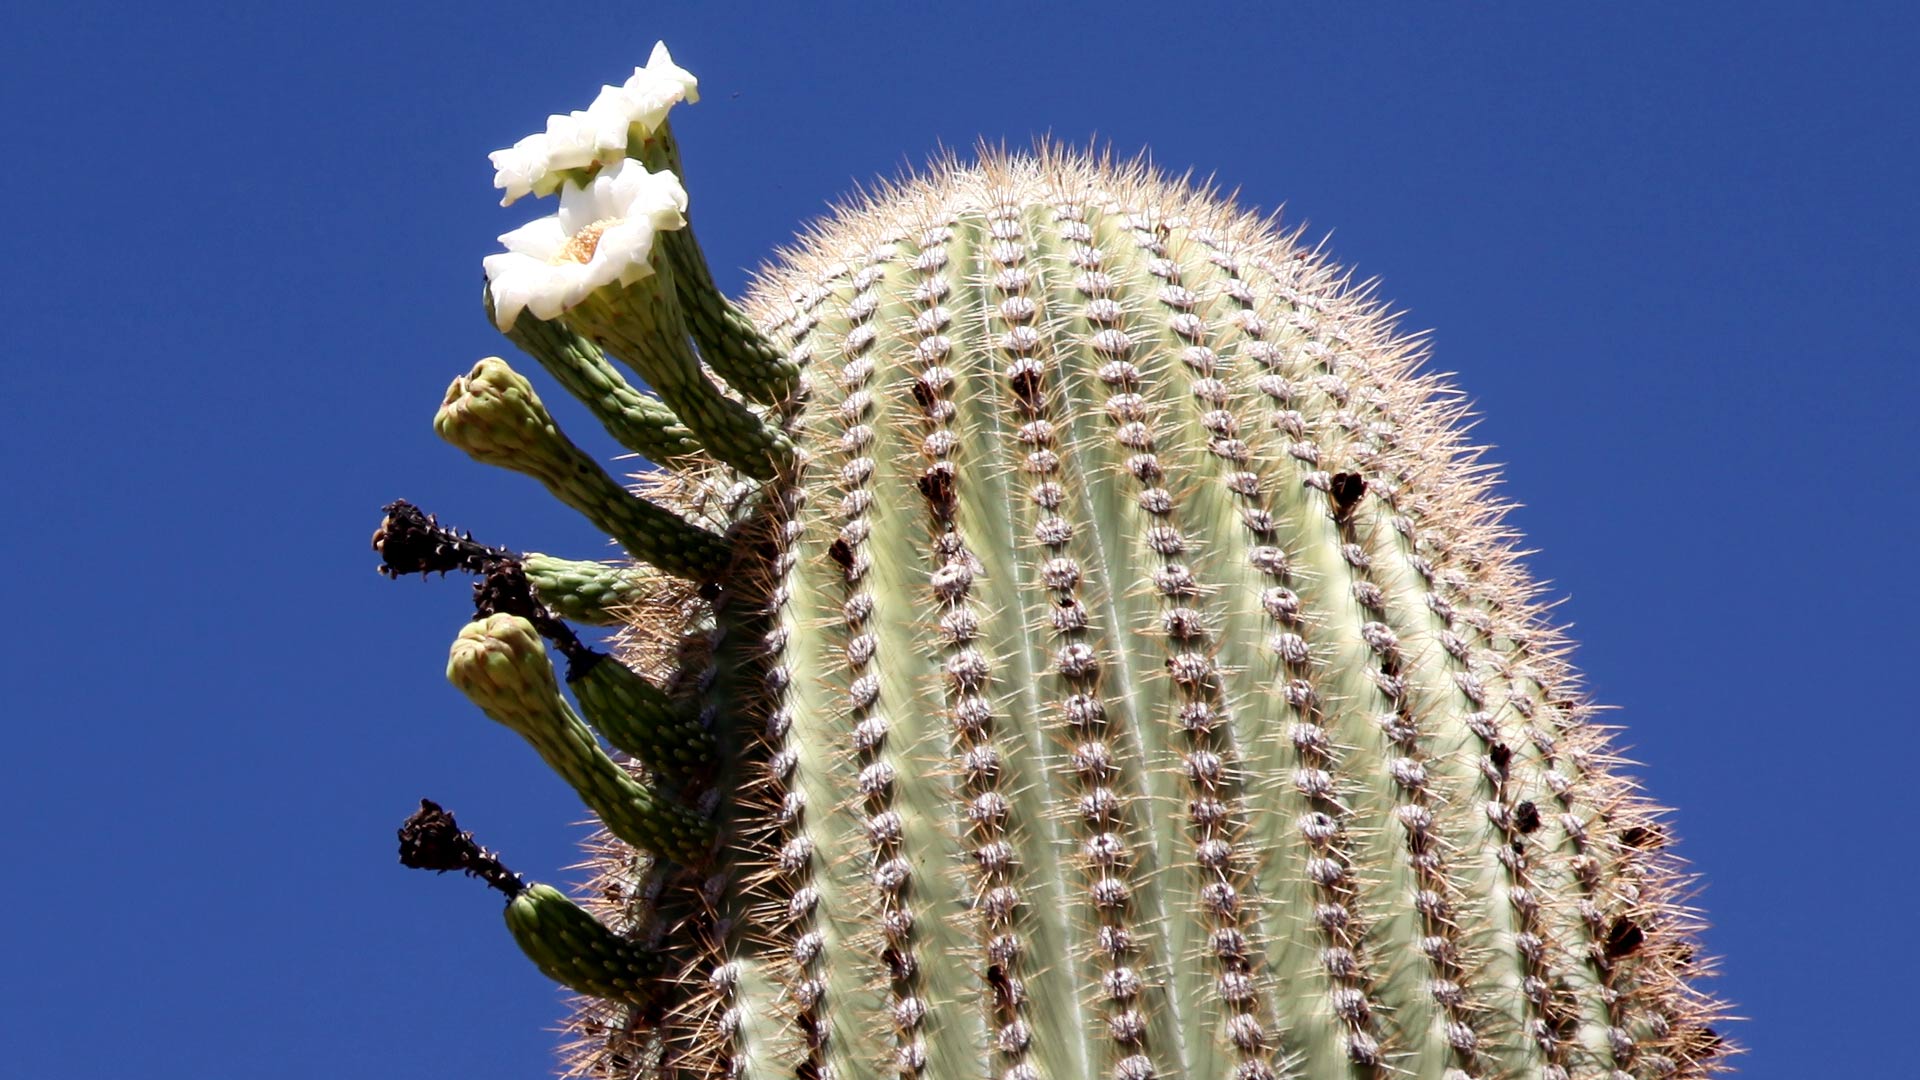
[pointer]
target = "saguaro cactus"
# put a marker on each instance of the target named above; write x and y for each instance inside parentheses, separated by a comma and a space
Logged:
(1065, 638)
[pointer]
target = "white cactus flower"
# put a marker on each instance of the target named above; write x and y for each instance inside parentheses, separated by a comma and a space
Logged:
(603, 234)
(596, 134)
(519, 167)
(650, 92)
(580, 139)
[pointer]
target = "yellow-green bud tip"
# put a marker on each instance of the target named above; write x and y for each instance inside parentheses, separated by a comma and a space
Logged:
(501, 660)
(492, 413)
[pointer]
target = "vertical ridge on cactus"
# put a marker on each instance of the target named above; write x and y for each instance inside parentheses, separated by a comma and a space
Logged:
(1096, 651)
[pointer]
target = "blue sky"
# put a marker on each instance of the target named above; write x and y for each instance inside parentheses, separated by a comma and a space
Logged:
(1671, 250)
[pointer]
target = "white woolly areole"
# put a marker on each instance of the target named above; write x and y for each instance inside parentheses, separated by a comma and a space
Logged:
(596, 134)
(603, 234)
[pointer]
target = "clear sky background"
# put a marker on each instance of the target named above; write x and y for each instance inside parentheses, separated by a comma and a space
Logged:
(1669, 248)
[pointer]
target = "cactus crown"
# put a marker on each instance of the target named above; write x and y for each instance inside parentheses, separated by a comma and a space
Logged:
(1068, 638)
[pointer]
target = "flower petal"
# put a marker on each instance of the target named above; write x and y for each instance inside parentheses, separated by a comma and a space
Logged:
(650, 92)
(518, 167)
(596, 134)
(582, 206)
(542, 238)
(659, 196)
(572, 142)
(520, 282)
(625, 203)
(623, 253)
(661, 63)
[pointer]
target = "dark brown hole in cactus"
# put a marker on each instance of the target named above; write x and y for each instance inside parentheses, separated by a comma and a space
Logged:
(1002, 990)
(841, 553)
(1526, 817)
(1702, 1042)
(1564, 1021)
(1623, 937)
(1644, 837)
(1026, 386)
(1346, 489)
(937, 485)
(924, 394)
(899, 965)
(1501, 755)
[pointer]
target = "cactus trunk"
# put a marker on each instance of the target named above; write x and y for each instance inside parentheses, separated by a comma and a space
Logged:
(1116, 668)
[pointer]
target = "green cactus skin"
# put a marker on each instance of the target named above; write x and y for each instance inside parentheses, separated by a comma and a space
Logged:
(642, 424)
(501, 664)
(493, 414)
(642, 324)
(1121, 670)
(638, 718)
(566, 942)
(589, 592)
(570, 947)
(729, 341)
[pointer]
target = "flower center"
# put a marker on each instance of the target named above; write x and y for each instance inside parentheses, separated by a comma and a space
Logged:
(581, 245)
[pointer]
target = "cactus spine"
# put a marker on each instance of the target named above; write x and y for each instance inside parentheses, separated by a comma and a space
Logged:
(1069, 639)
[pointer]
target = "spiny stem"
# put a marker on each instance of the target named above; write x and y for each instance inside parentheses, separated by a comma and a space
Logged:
(639, 718)
(572, 948)
(593, 593)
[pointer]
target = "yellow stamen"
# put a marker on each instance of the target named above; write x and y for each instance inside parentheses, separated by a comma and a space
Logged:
(581, 245)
